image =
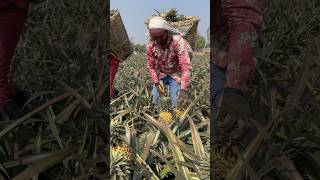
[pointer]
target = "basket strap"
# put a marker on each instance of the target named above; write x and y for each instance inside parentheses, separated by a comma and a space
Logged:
(192, 24)
(113, 54)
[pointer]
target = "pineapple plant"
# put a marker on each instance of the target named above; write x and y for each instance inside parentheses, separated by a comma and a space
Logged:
(151, 136)
(223, 162)
(165, 106)
(165, 110)
(121, 149)
(120, 166)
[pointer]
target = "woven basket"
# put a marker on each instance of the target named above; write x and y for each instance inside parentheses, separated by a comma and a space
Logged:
(119, 40)
(188, 26)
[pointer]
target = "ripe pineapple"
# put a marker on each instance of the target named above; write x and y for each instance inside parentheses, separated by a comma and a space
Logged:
(223, 163)
(121, 149)
(166, 112)
(166, 116)
(179, 112)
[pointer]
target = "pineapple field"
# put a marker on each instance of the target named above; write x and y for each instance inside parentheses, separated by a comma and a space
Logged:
(280, 139)
(59, 70)
(150, 144)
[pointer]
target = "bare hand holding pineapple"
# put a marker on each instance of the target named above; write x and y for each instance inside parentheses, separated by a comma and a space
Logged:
(160, 89)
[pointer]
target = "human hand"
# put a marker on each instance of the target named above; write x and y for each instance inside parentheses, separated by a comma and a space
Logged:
(160, 89)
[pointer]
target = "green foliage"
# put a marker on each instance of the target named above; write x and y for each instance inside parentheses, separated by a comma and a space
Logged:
(139, 48)
(286, 90)
(60, 60)
(171, 15)
(150, 137)
(200, 42)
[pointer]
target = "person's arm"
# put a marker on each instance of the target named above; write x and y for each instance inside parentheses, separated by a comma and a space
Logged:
(151, 63)
(183, 49)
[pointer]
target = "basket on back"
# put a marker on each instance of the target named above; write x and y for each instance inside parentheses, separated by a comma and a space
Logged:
(189, 27)
(119, 40)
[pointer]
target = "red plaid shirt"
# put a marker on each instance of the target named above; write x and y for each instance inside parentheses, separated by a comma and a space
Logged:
(174, 60)
(234, 35)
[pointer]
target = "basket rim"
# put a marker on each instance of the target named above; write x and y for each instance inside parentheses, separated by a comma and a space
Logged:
(193, 19)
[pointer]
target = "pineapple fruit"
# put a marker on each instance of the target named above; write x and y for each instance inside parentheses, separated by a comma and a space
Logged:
(122, 149)
(223, 163)
(166, 116)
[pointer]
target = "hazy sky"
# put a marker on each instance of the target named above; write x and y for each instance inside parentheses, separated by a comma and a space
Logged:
(135, 12)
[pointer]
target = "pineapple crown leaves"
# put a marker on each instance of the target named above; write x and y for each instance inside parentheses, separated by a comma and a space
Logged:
(170, 15)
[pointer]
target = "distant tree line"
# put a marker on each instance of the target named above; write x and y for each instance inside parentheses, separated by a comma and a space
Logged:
(201, 43)
(138, 48)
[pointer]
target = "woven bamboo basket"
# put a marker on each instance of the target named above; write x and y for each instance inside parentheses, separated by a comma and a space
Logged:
(119, 40)
(189, 27)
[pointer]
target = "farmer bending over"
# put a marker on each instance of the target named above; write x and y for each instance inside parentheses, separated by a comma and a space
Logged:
(234, 24)
(168, 61)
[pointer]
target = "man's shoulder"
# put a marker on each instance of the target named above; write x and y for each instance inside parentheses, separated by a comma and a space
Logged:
(149, 44)
(177, 37)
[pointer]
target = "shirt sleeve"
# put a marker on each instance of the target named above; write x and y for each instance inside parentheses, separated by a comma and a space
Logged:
(184, 49)
(151, 63)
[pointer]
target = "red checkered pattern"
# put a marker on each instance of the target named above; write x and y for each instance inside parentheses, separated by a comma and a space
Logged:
(174, 60)
(234, 24)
